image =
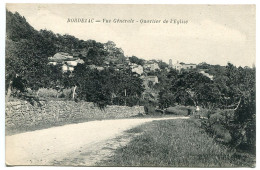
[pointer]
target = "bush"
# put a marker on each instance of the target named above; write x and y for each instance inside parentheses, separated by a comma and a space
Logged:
(47, 93)
(66, 93)
(149, 109)
(180, 110)
(150, 106)
(221, 133)
(219, 125)
(52, 93)
(132, 101)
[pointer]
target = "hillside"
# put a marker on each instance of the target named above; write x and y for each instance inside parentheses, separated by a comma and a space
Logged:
(45, 66)
(18, 30)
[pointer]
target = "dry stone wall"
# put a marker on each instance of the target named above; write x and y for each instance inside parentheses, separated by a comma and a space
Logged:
(22, 114)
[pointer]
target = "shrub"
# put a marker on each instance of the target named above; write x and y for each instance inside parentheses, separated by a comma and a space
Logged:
(220, 124)
(47, 93)
(180, 110)
(221, 133)
(66, 93)
(52, 93)
(149, 109)
(132, 101)
(150, 106)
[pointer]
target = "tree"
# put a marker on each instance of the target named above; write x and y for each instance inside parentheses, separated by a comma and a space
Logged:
(96, 54)
(241, 83)
(27, 55)
(162, 65)
(136, 60)
(115, 55)
(193, 87)
(27, 63)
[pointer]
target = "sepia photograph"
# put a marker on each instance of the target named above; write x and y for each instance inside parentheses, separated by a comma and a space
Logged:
(130, 85)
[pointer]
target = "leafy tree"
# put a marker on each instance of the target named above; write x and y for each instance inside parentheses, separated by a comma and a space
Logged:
(136, 60)
(242, 90)
(27, 55)
(193, 87)
(162, 65)
(27, 63)
(107, 86)
(114, 54)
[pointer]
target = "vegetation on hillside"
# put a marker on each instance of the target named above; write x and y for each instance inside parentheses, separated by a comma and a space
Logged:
(229, 98)
(27, 52)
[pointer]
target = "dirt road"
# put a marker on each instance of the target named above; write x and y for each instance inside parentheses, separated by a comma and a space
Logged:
(58, 144)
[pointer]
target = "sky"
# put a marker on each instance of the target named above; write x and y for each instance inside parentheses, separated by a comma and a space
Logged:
(215, 34)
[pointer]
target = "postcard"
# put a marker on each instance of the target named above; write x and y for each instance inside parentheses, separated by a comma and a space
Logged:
(130, 85)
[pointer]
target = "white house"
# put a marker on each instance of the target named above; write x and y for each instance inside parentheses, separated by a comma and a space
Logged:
(178, 66)
(206, 74)
(53, 63)
(61, 56)
(137, 69)
(68, 62)
(72, 63)
(64, 68)
(152, 66)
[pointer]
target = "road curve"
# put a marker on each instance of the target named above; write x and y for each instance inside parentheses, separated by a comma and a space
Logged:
(42, 147)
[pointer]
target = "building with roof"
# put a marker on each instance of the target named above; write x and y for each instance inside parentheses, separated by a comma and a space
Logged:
(99, 68)
(137, 69)
(179, 66)
(67, 61)
(149, 79)
(151, 66)
(206, 74)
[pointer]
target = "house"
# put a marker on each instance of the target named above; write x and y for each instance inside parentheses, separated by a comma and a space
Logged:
(96, 67)
(206, 74)
(60, 57)
(146, 80)
(178, 66)
(152, 66)
(153, 79)
(137, 69)
(66, 68)
(70, 68)
(53, 63)
(68, 62)
(72, 63)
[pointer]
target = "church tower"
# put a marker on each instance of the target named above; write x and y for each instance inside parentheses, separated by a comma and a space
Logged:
(170, 63)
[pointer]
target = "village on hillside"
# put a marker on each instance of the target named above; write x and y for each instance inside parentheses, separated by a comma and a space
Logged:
(81, 102)
(68, 62)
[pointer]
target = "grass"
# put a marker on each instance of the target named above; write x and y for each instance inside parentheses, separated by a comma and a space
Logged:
(174, 143)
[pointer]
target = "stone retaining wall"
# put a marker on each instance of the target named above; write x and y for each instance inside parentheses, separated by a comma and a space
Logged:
(21, 114)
